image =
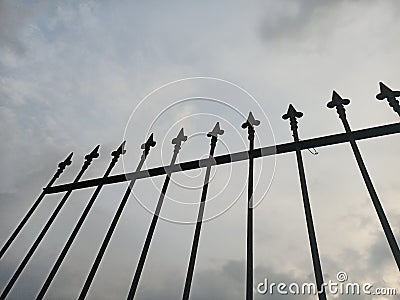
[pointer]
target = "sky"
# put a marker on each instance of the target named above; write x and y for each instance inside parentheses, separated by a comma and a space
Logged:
(75, 74)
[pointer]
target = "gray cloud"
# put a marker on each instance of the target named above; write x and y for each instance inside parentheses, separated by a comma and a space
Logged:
(77, 71)
(299, 21)
(13, 17)
(290, 18)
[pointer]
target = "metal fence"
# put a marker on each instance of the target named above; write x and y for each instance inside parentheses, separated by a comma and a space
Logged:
(349, 136)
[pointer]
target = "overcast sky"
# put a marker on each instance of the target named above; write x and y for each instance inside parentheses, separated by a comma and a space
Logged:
(80, 73)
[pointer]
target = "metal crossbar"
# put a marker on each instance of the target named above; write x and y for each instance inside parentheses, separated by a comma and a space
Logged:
(317, 142)
(296, 146)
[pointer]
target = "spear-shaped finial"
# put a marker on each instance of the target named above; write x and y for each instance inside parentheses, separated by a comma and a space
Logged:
(181, 137)
(292, 114)
(120, 150)
(250, 123)
(386, 92)
(178, 140)
(390, 95)
(216, 131)
(214, 136)
(338, 102)
(148, 144)
(62, 165)
(94, 154)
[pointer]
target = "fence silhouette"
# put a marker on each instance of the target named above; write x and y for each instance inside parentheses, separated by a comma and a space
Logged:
(349, 136)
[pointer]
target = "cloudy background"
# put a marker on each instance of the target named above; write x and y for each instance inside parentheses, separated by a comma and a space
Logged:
(72, 74)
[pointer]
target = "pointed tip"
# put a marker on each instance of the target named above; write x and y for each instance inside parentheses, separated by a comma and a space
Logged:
(120, 150)
(382, 85)
(385, 89)
(291, 109)
(67, 161)
(96, 149)
(386, 92)
(149, 143)
(216, 131)
(121, 147)
(182, 134)
(337, 100)
(251, 121)
(181, 137)
(287, 114)
(292, 113)
(93, 154)
(70, 156)
(216, 127)
(335, 95)
(151, 138)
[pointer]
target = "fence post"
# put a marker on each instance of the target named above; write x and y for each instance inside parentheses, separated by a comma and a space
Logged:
(339, 103)
(88, 160)
(61, 167)
(115, 154)
(146, 149)
(181, 137)
(292, 115)
(250, 124)
(189, 275)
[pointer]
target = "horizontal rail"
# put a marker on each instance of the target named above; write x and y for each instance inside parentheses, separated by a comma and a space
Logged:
(234, 157)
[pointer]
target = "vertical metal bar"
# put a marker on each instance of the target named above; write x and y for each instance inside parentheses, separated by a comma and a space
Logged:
(61, 167)
(146, 148)
(292, 114)
(250, 124)
(189, 275)
(135, 282)
(88, 160)
(115, 154)
(339, 103)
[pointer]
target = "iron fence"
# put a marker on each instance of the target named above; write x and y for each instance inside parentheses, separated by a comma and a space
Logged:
(349, 136)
